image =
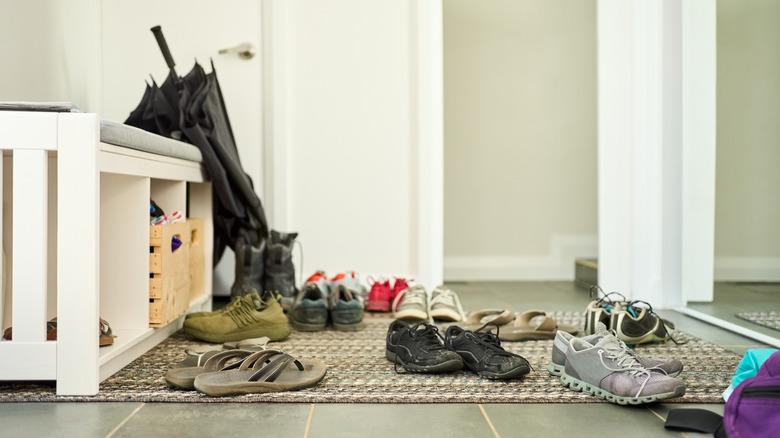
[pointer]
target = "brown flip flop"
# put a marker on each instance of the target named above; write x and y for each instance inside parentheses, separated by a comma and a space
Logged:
(106, 335)
(533, 325)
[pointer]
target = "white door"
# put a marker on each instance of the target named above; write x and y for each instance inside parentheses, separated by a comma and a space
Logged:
(194, 30)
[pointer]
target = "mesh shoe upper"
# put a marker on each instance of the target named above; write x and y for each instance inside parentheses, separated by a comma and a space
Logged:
(607, 366)
(670, 367)
(419, 348)
(250, 317)
(379, 296)
(482, 353)
(637, 325)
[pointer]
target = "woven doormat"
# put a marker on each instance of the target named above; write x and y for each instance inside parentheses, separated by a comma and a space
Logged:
(766, 319)
(358, 372)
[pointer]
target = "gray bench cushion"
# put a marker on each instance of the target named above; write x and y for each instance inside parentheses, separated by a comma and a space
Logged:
(131, 137)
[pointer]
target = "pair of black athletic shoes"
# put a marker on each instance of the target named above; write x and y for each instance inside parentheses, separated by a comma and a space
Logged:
(420, 348)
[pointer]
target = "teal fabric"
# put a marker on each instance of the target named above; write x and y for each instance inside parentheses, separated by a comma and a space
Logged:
(750, 363)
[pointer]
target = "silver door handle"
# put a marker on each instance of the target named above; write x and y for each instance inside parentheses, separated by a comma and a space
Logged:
(244, 50)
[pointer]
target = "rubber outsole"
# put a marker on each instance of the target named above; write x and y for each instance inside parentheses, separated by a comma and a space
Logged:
(274, 333)
(306, 327)
(512, 374)
(579, 385)
(555, 369)
(444, 367)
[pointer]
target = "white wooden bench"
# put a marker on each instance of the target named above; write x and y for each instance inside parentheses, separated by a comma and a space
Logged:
(76, 245)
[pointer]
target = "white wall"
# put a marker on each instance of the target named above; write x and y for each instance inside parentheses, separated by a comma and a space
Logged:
(747, 230)
(50, 51)
(520, 138)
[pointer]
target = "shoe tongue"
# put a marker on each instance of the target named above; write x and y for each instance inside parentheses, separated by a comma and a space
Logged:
(602, 330)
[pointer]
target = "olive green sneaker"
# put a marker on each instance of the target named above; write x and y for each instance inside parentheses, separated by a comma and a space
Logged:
(248, 317)
(233, 303)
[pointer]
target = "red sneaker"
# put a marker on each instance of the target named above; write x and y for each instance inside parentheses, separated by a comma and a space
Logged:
(399, 285)
(380, 296)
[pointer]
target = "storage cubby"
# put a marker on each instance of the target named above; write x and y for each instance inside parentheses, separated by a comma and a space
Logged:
(76, 236)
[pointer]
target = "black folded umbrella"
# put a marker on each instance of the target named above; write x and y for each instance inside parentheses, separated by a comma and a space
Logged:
(192, 109)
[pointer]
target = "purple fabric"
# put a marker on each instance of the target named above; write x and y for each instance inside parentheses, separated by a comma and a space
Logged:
(175, 243)
(753, 410)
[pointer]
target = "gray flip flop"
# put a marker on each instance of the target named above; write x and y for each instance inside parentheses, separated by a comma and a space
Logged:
(263, 371)
(182, 375)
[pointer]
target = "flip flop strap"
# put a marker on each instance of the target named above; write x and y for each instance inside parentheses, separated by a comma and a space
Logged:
(220, 360)
(495, 316)
(257, 359)
(548, 324)
(270, 371)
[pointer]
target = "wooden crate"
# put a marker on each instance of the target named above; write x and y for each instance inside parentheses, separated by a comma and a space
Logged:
(169, 273)
(197, 257)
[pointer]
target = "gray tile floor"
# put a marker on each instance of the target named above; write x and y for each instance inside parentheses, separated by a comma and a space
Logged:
(383, 420)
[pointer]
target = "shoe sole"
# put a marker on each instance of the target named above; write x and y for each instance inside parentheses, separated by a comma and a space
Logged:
(579, 385)
(307, 327)
(555, 369)
(444, 367)
(446, 315)
(274, 333)
(512, 374)
(411, 315)
(378, 306)
(348, 327)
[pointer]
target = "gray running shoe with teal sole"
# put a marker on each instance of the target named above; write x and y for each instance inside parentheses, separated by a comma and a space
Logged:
(605, 369)
(670, 367)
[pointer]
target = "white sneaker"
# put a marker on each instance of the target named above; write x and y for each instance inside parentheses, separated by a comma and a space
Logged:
(445, 305)
(411, 304)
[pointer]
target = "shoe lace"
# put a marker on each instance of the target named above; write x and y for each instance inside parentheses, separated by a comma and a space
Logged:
(427, 338)
(242, 313)
(626, 362)
(605, 299)
(491, 340)
(410, 296)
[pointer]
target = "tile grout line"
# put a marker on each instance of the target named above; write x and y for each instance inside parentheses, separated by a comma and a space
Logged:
(490, 423)
(110, 434)
(664, 420)
(656, 413)
(308, 421)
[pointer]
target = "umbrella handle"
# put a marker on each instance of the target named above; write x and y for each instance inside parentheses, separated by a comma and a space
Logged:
(158, 35)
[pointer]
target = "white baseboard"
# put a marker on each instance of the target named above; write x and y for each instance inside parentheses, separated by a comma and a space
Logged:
(557, 265)
(747, 269)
